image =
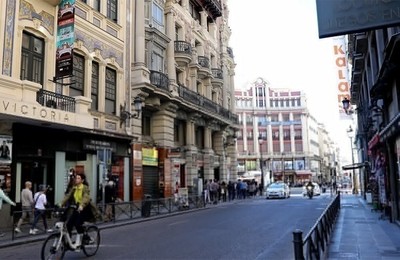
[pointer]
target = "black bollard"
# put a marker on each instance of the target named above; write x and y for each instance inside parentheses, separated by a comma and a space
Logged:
(298, 244)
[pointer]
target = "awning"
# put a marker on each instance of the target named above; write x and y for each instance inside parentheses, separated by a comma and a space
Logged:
(303, 173)
(355, 166)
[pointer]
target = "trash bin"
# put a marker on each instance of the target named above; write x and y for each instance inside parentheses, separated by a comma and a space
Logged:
(146, 206)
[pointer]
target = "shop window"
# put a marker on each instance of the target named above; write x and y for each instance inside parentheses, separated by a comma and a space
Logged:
(32, 58)
(111, 90)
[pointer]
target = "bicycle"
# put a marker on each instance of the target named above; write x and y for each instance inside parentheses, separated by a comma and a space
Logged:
(56, 245)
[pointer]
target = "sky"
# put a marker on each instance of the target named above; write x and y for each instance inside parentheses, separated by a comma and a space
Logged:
(278, 41)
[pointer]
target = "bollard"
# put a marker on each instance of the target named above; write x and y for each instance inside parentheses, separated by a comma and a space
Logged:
(298, 244)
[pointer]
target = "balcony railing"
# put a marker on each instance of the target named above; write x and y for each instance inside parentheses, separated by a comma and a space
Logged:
(209, 105)
(183, 47)
(204, 62)
(55, 100)
(217, 73)
(159, 79)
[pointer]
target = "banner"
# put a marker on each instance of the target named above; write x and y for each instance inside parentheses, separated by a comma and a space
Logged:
(342, 74)
(65, 38)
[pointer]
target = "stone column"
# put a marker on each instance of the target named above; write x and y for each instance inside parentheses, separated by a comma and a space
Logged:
(163, 125)
(203, 20)
(170, 31)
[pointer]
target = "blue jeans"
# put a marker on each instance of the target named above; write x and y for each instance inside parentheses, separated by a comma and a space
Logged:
(40, 213)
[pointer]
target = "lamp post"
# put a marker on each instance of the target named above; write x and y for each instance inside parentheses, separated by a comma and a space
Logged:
(349, 131)
(260, 142)
(283, 167)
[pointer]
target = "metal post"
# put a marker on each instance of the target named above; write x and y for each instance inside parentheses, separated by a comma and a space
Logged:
(262, 172)
(354, 171)
(298, 244)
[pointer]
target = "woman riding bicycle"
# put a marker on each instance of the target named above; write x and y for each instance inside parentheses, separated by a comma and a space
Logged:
(78, 201)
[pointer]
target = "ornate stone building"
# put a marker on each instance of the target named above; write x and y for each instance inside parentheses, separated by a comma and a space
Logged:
(73, 72)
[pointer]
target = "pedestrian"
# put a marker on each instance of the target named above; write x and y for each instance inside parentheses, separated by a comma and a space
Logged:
(109, 199)
(207, 185)
(40, 202)
(4, 197)
(27, 204)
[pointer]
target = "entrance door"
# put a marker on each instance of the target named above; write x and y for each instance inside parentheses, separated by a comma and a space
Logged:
(38, 172)
(150, 182)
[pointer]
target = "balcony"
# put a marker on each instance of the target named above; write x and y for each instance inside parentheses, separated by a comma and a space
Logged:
(218, 77)
(214, 7)
(208, 105)
(204, 69)
(183, 53)
(160, 80)
(55, 100)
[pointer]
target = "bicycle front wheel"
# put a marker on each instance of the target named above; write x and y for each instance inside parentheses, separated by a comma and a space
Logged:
(91, 241)
(53, 247)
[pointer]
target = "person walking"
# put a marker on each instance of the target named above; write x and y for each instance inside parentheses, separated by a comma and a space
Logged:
(27, 204)
(4, 197)
(40, 210)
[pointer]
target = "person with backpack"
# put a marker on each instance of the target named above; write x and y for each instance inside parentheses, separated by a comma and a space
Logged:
(40, 201)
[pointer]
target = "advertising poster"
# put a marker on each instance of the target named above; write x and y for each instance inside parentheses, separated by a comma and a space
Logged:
(5, 149)
(65, 38)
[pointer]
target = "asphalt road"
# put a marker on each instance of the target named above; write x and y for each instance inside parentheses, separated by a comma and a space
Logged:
(249, 229)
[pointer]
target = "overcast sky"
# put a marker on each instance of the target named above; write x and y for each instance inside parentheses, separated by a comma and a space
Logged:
(278, 41)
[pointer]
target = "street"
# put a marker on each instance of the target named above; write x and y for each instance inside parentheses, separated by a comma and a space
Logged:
(248, 229)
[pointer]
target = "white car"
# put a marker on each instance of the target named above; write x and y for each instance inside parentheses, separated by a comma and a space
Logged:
(317, 189)
(278, 190)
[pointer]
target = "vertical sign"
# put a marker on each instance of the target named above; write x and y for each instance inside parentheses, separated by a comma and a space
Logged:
(342, 75)
(65, 38)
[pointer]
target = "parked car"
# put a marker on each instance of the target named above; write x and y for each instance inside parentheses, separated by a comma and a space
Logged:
(278, 190)
(317, 189)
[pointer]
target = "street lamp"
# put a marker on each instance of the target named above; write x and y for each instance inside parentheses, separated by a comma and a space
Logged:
(260, 142)
(349, 131)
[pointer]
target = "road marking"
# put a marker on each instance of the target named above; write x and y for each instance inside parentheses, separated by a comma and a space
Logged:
(177, 223)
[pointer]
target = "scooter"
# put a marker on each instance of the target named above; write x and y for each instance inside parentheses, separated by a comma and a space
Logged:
(310, 191)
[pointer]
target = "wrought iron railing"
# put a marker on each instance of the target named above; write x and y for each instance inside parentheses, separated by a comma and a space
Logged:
(315, 243)
(204, 62)
(217, 73)
(55, 100)
(197, 99)
(159, 79)
(183, 47)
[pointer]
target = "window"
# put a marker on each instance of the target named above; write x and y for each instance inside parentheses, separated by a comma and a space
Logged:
(285, 117)
(95, 86)
(275, 135)
(180, 132)
(199, 137)
(194, 11)
(297, 134)
(146, 124)
(112, 10)
(96, 5)
(158, 16)
(249, 120)
(262, 120)
(32, 58)
(286, 134)
(157, 60)
(249, 134)
(111, 90)
(79, 76)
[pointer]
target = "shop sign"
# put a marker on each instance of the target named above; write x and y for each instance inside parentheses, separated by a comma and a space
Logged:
(34, 112)
(65, 38)
(95, 145)
(150, 157)
(341, 17)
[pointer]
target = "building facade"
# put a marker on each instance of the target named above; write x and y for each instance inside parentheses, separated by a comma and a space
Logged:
(375, 91)
(277, 129)
(183, 67)
(170, 56)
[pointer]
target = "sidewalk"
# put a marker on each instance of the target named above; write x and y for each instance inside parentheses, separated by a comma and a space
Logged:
(359, 233)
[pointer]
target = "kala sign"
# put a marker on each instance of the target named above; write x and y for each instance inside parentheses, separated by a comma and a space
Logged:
(340, 17)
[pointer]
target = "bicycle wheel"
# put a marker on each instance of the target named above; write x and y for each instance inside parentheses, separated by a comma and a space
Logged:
(91, 241)
(53, 247)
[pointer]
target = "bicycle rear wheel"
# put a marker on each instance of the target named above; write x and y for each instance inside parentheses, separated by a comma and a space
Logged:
(53, 247)
(91, 241)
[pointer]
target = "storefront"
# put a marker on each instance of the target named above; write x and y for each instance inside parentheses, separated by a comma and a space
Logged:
(45, 155)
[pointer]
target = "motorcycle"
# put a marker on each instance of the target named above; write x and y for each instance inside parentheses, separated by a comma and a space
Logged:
(310, 191)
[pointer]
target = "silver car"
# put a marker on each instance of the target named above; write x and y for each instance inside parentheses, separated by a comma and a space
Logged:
(278, 190)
